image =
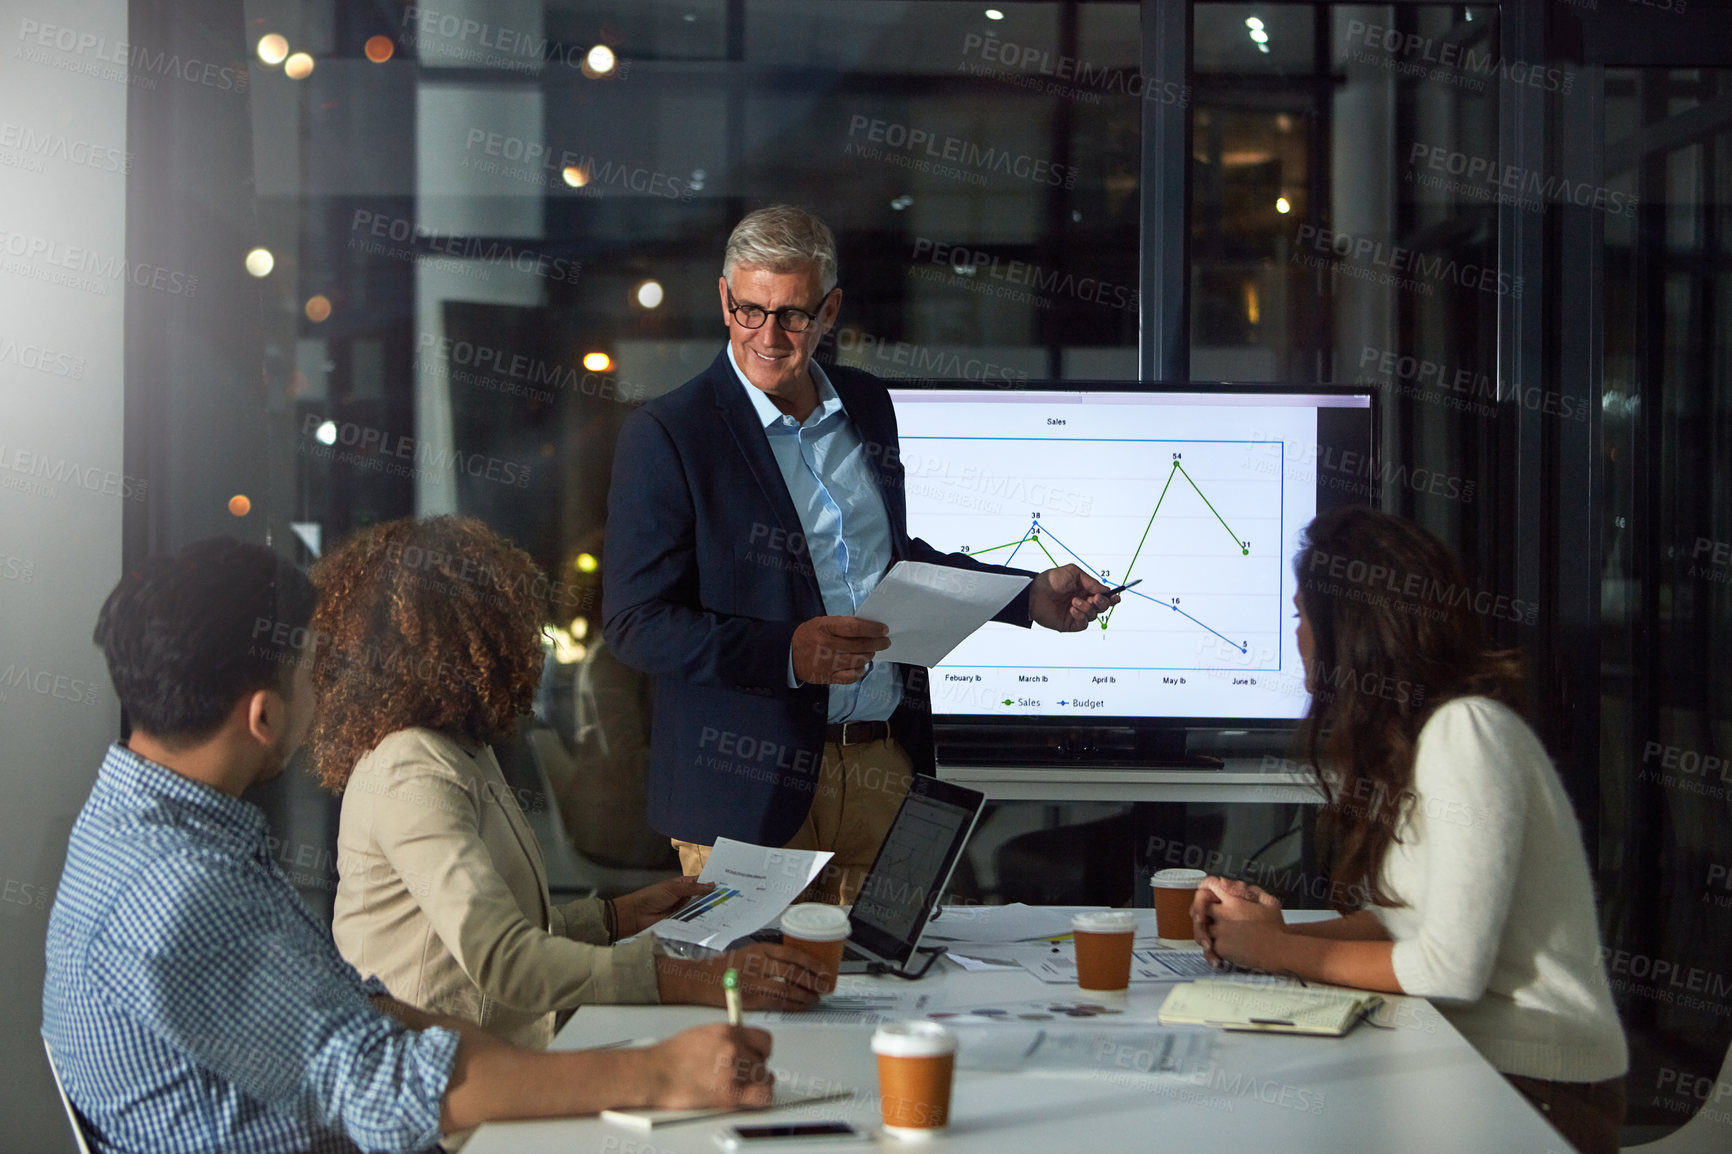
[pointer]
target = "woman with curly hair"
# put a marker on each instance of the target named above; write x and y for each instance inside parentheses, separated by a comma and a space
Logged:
(1454, 855)
(430, 647)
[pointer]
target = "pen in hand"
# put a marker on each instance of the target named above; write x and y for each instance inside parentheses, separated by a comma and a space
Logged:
(731, 992)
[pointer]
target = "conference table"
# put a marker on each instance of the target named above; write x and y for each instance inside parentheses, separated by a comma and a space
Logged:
(1413, 1087)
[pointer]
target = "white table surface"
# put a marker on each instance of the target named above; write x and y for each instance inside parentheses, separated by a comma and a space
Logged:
(1417, 1088)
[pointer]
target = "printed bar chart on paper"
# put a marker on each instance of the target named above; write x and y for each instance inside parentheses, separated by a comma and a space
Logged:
(1193, 502)
(713, 899)
(754, 884)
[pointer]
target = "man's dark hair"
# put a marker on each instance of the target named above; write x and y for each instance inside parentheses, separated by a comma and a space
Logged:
(187, 636)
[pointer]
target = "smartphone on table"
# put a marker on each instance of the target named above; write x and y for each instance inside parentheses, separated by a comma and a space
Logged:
(774, 1134)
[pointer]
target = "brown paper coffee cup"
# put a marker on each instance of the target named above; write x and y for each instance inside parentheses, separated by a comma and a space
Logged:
(916, 1063)
(1174, 891)
(1103, 949)
(819, 930)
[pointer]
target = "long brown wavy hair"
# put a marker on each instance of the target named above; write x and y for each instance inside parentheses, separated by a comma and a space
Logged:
(1396, 632)
(432, 622)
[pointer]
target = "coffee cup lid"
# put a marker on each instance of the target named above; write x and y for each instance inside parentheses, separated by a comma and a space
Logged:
(914, 1039)
(1177, 879)
(1104, 922)
(815, 922)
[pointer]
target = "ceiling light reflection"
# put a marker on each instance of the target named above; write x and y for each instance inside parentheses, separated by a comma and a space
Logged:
(600, 61)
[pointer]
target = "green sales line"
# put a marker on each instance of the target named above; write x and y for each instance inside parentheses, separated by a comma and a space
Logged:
(996, 548)
(1126, 575)
(1181, 468)
(1178, 468)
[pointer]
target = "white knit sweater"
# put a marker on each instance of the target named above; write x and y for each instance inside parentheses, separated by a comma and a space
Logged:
(1499, 926)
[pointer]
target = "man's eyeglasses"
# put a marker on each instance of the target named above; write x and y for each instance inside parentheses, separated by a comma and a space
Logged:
(791, 319)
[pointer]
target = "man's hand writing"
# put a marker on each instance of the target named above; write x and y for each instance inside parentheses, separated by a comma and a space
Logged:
(716, 1065)
(1066, 599)
(836, 650)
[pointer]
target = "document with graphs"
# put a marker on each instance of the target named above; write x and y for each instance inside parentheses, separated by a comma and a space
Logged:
(754, 884)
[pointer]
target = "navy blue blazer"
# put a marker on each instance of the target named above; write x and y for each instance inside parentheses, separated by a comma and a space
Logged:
(706, 576)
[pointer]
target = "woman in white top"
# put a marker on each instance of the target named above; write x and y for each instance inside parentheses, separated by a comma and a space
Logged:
(1452, 849)
(429, 637)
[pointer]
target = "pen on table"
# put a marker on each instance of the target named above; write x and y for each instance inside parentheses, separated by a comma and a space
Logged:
(731, 992)
(625, 1042)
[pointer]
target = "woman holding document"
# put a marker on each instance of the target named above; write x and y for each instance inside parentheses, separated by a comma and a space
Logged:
(1454, 855)
(429, 637)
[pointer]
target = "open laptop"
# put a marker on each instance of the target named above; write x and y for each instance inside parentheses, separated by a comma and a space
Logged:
(908, 877)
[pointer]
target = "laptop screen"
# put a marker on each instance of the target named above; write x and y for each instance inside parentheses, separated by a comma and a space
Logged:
(909, 875)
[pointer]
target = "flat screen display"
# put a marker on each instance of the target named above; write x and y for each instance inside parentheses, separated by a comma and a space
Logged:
(1198, 493)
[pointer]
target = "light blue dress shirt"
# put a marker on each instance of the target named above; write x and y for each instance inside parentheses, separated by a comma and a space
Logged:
(193, 1003)
(823, 461)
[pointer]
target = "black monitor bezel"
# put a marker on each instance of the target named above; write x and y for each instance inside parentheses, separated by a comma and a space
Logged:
(1089, 742)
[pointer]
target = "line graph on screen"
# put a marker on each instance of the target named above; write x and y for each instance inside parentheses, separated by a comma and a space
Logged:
(1199, 522)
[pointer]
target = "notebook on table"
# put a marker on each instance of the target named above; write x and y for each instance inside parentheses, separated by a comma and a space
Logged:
(1328, 1011)
(644, 1121)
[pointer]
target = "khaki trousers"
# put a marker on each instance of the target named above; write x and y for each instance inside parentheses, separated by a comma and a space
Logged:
(859, 789)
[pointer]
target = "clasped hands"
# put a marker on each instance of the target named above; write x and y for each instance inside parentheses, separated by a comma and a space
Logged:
(838, 650)
(1238, 922)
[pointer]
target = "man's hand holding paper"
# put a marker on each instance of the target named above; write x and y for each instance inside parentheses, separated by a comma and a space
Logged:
(837, 650)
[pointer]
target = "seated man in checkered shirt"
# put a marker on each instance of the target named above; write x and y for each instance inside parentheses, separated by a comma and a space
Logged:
(193, 1002)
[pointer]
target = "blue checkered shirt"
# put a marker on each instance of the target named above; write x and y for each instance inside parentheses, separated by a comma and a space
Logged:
(194, 1003)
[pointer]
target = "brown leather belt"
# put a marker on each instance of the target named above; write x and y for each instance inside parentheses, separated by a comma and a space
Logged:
(856, 732)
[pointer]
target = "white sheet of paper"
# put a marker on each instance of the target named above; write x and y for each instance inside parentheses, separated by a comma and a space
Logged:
(1015, 922)
(859, 1000)
(931, 609)
(979, 965)
(754, 884)
(1145, 1048)
(1059, 969)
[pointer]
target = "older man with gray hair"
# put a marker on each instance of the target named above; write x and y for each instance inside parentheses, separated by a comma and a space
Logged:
(752, 511)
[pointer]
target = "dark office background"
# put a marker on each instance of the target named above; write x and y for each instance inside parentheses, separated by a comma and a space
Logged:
(437, 202)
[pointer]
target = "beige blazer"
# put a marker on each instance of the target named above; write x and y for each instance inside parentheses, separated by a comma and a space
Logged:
(442, 894)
